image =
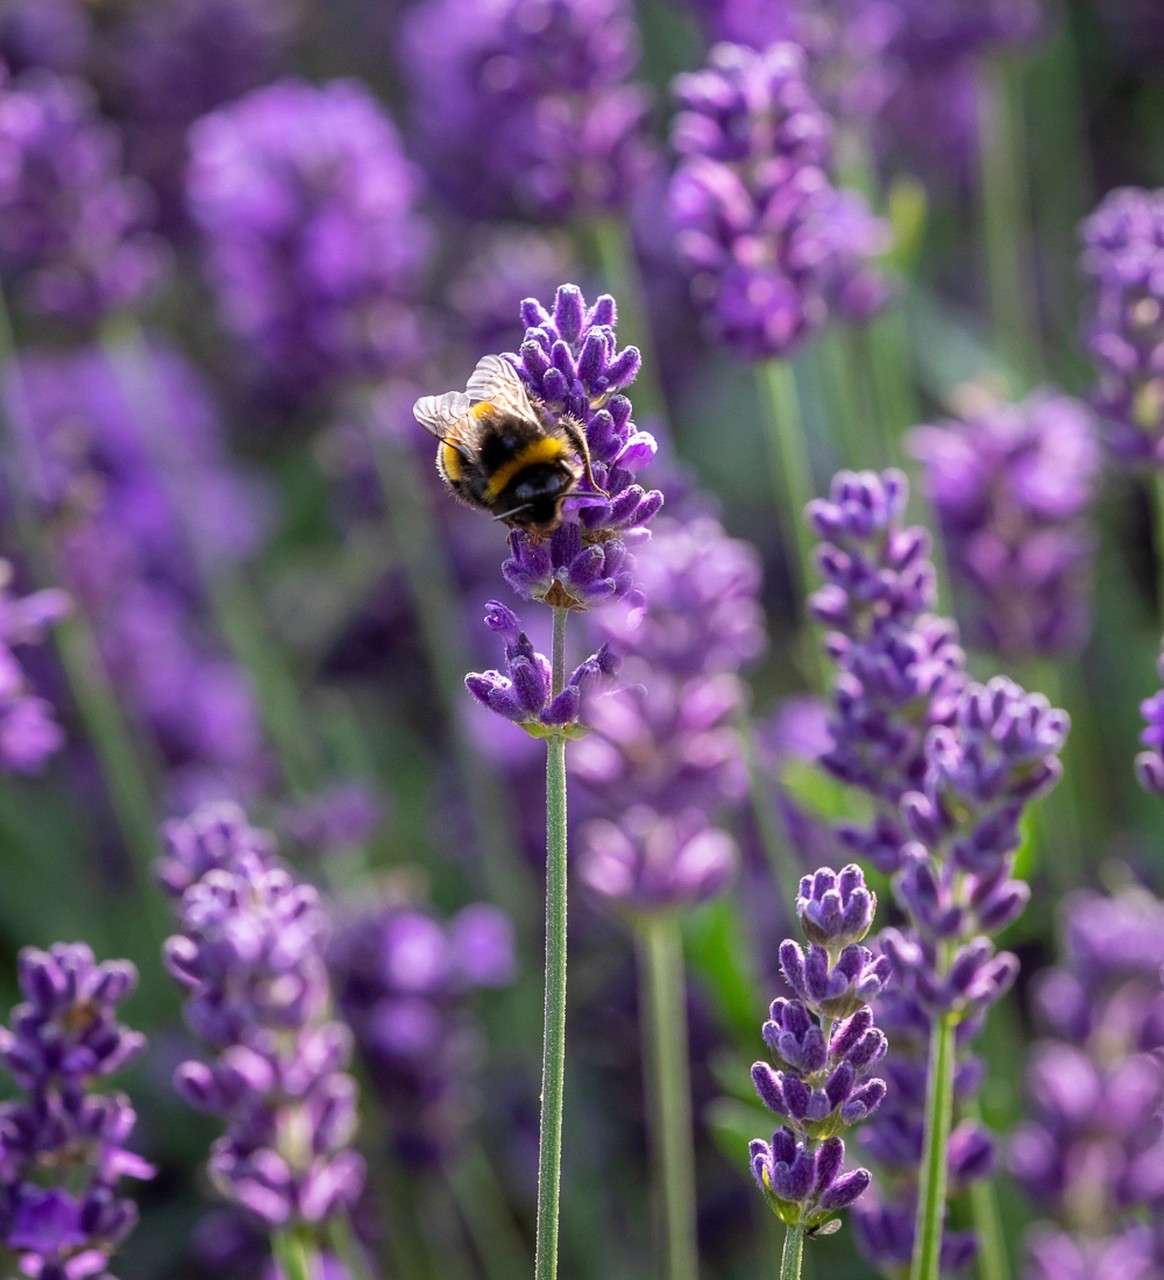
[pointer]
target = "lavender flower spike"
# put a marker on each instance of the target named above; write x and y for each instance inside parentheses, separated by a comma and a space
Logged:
(825, 1048)
(524, 694)
(28, 732)
(63, 1147)
(571, 363)
(251, 957)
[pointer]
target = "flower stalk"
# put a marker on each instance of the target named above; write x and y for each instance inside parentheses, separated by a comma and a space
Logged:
(931, 1205)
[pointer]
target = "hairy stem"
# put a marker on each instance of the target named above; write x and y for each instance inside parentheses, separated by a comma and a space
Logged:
(554, 1041)
(931, 1205)
(793, 1254)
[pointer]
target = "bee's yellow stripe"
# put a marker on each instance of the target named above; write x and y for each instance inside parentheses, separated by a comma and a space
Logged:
(547, 449)
(451, 461)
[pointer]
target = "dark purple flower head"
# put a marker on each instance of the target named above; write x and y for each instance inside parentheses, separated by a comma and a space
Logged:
(825, 1048)
(53, 35)
(649, 861)
(771, 246)
(63, 1147)
(251, 957)
(571, 362)
(1013, 487)
(403, 979)
(72, 226)
(524, 693)
(1123, 262)
(526, 106)
(29, 732)
(305, 203)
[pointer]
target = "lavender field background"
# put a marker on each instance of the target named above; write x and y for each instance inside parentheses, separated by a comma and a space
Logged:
(860, 307)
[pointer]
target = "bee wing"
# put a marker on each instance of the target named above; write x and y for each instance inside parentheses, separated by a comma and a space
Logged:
(442, 415)
(496, 380)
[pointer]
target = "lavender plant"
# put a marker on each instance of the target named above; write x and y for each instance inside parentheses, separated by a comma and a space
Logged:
(29, 732)
(825, 1048)
(250, 955)
(571, 365)
(64, 1146)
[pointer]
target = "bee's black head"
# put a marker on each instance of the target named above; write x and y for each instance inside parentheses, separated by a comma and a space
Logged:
(535, 495)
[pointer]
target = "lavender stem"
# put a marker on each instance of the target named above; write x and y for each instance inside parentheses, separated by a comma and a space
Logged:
(992, 1257)
(485, 1212)
(663, 1016)
(793, 1253)
(792, 478)
(554, 1042)
(931, 1205)
(297, 1260)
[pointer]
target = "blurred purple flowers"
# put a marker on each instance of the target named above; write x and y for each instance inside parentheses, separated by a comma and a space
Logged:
(63, 1147)
(825, 1048)
(305, 204)
(1013, 488)
(1123, 262)
(525, 105)
(773, 249)
(251, 957)
(73, 227)
(570, 361)
(402, 979)
(29, 733)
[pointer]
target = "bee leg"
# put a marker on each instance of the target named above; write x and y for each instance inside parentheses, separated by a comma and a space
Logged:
(576, 434)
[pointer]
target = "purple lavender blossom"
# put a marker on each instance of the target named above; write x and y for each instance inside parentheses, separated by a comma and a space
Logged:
(403, 978)
(900, 670)
(251, 957)
(526, 106)
(571, 363)
(179, 59)
(29, 733)
(73, 232)
(1091, 1150)
(53, 35)
(1150, 763)
(128, 529)
(772, 247)
(664, 754)
(63, 1146)
(305, 204)
(1123, 261)
(524, 694)
(1012, 488)
(825, 1048)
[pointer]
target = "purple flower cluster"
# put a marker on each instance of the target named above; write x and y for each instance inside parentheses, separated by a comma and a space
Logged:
(570, 361)
(305, 204)
(772, 247)
(251, 958)
(663, 758)
(62, 1147)
(525, 105)
(1123, 261)
(900, 670)
(29, 733)
(73, 232)
(825, 1048)
(1150, 763)
(130, 557)
(178, 60)
(999, 753)
(1012, 488)
(1092, 1151)
(402, 978)
(50, 34)
(525, 694)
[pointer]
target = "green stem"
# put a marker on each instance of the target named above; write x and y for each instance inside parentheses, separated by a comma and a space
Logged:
(297, 1258)
(341, 1236)
(793, 482)
(992, 1259)
(554, 1043)
(663, 1015)
(1004, 219)
(931, 1205)
(849, 406)
(886, 350)
(793, 1253)
(486, 1214)
(419, 551)
(614, 251)
(780, 854)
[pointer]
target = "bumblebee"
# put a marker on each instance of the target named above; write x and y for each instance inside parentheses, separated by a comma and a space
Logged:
(501, 451)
